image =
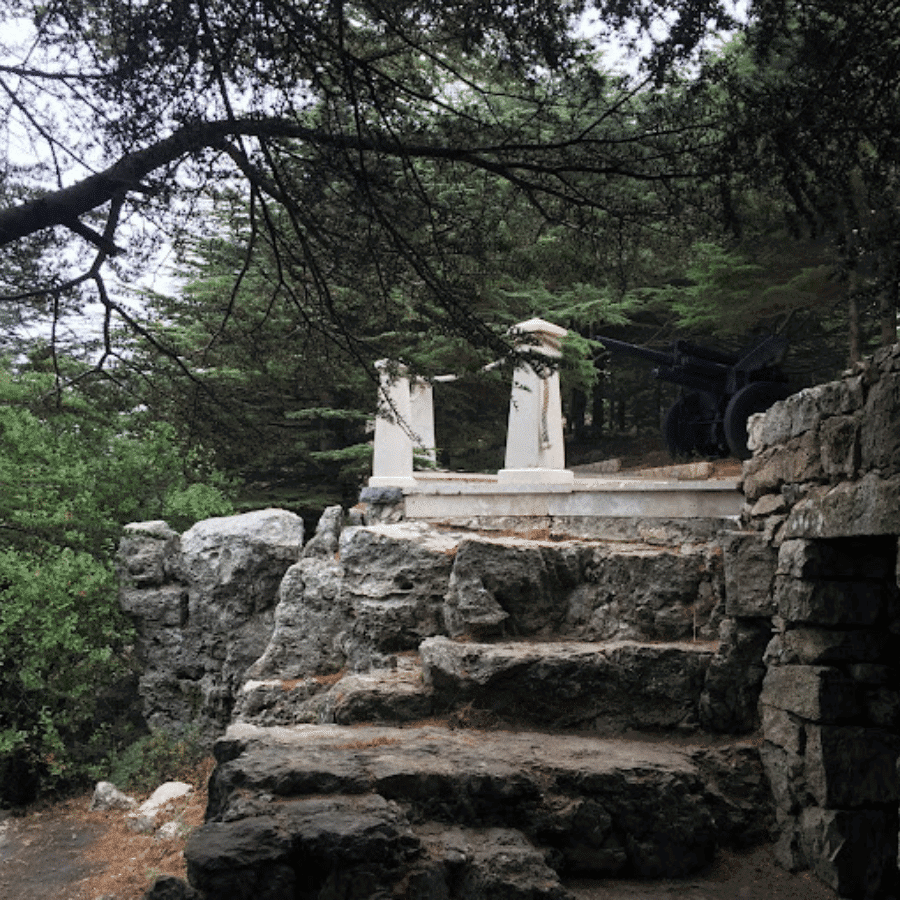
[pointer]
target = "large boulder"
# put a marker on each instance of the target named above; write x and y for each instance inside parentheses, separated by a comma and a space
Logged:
(203, 607)
(438, 813)
(513, 587)
(394, 581)
(600, 687)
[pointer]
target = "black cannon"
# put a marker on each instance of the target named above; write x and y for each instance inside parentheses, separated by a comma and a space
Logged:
(725, 389)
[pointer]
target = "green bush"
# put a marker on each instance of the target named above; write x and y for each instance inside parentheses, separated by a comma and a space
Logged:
(70, 478)
(155, 759)
(60, 637)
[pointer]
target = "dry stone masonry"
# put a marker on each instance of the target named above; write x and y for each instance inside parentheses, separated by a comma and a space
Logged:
(823, 520)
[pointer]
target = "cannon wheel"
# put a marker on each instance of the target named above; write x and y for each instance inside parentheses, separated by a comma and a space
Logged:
(687, 428)
(752, 398)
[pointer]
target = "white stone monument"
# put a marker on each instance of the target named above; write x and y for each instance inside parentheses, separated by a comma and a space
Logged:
(392, 461)
(535, 452)
(421, 401)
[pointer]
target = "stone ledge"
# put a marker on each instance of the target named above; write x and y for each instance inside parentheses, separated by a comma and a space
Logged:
(868, 507)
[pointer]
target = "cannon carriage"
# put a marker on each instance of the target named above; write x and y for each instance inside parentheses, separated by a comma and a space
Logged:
(722, 390)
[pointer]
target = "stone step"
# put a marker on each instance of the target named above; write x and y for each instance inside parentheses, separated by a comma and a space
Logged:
(419, 811)
(604, 687)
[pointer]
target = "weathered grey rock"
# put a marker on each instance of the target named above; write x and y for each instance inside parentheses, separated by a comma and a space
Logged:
(610, 685)
(870, 506)
(312, 620)
(642, 592)
(788, 849)
(815, 693)
(167, 887)
(795, 462)
(273, 701)
(605, 806)
(245, 554)
(340, 846)
(147, 552)
(481, 864)
(200, 631)
(510, 586)
(839, 442)
(814, 561)
(853, 851)
(107, 796)
(324, 543)
(802, 412)
(769, 505)
(157, 609)
(382, 505)
(734, 677)
(648, 593)
(144, 819)
(379, 695)
(394, 581)
(811, 646)
(880, 426)
(786, 773)
(831, 602)
(850, 766)
(749, 566)
(737, 792)
(783, 729)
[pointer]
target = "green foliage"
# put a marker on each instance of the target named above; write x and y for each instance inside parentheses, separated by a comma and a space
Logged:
(60, 639)
(70, 478)
(724, 292)
(73, 476)
(155, 758)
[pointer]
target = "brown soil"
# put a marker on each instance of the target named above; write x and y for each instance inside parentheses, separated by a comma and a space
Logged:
(63, 851)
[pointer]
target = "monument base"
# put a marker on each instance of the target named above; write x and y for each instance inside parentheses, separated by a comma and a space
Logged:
(535, 476)
(398, 481)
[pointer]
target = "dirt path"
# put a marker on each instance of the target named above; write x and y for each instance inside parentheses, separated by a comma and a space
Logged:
(64, 851)
(41, 858)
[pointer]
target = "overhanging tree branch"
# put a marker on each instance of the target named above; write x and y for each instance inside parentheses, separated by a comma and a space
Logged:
(67, 205)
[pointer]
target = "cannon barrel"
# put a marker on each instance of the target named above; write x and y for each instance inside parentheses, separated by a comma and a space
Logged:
(658, 356)
(725, 389)
(683, 360)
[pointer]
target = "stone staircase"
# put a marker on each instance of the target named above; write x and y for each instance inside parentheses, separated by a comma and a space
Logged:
(450, 715)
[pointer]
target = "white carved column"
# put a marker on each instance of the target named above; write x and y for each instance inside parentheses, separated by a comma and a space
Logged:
(535, 452)
(422, 416)
(392, 461)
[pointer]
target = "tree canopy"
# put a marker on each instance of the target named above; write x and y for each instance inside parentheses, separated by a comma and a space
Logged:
(391, 161)
(120, 116)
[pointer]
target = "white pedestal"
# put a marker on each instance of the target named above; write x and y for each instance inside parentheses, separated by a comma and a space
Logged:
(397, 481)
(392, 459)
(534, 437)
(535, 476)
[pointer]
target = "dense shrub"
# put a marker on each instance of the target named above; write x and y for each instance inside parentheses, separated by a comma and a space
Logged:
(70, 478)
(155, 758)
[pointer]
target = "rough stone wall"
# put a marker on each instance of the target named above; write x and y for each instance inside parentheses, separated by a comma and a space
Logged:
(236, 620)
(203, 606)
(822, 520)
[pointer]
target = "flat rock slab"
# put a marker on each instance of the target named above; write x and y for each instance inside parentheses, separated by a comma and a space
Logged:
(591, 806)
(381, 695)
(605, 686)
